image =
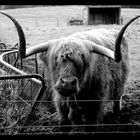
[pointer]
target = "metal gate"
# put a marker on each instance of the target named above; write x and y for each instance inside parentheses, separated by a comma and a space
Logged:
(20, 92)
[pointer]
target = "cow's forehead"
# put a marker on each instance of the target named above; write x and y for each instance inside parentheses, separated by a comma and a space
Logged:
(70, 45)
(67, 45)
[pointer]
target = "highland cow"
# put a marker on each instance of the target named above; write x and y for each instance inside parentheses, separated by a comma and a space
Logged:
(84, 70)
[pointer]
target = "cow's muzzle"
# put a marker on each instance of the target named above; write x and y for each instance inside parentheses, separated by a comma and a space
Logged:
(67, 86)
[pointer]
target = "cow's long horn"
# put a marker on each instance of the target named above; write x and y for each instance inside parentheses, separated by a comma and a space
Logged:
(22, 41)
(39, 48)
(95, 48)
(117, 53)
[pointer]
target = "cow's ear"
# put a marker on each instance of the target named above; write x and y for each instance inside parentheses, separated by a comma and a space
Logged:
(99, 49)
(43, 57)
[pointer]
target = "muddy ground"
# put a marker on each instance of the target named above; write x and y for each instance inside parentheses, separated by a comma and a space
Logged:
(125, 122)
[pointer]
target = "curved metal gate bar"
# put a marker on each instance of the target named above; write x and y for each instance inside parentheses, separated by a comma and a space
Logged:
(2, 61)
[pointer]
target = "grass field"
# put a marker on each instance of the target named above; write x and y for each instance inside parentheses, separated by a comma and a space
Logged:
(44, 23)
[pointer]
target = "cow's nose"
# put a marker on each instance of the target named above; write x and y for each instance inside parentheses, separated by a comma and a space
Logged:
(68, 83)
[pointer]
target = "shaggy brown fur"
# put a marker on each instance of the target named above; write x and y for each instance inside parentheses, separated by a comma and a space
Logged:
(98, 77)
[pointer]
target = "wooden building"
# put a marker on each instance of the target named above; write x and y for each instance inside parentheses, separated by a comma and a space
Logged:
(103, 15)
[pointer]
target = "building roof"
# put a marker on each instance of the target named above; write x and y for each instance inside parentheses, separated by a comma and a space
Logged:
(103, 6)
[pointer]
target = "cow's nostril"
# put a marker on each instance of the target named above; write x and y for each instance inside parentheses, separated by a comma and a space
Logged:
(62, 81)
(68, 82)
(67, 86)
(73, 82)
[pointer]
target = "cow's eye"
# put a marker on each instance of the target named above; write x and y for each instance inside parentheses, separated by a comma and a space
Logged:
(56, 58)
(82, 56)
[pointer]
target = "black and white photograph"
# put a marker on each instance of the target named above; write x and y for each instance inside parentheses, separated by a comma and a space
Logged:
(70, 70)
